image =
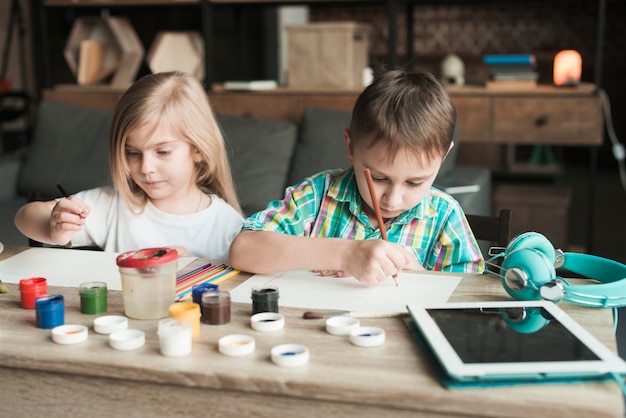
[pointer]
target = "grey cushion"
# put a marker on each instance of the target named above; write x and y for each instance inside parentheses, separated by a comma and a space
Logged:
(70, 147)
(447, 168)
(260, 154)
(321, 143)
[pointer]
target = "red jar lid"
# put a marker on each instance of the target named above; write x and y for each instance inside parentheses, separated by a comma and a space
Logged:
(147, 257)
(33, 282)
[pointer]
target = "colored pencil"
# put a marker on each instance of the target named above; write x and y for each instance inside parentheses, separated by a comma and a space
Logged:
(207, 274)
(191, 272)
(379, 217)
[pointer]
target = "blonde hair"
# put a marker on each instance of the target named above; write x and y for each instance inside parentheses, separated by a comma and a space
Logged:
(179, 101)
(405, 110)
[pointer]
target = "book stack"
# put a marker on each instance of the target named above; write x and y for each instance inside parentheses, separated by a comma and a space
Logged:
(511, 72)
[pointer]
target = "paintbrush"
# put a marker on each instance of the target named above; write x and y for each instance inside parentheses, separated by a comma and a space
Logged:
(328, 314)
(379, 217)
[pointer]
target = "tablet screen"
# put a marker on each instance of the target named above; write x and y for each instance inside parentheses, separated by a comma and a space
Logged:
(511, 340)
(492, 335)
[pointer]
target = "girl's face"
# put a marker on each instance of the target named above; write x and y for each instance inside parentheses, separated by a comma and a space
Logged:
(400, 184)
(163, 166)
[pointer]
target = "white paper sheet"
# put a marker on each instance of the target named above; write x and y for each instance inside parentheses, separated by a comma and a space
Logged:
(66, 267)
(305, 289)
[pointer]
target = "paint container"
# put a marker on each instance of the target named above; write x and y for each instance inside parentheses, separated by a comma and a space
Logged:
(148, 281)
(236, 345)
(108, 324)
(93, 297)
(30, 289)
(187, 311)
(367, 336)
(70, 334)
(128, 339)
(264, 299)
(267, 321)
(50, 311)
(198, 290)
(216, 308)
(175, 337)
(341, 325)
(290, 355)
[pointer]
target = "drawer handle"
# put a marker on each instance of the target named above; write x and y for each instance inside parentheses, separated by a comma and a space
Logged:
(541, 121)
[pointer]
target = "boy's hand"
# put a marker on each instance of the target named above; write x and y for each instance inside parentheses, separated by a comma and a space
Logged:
(373, 261)
(67, 217)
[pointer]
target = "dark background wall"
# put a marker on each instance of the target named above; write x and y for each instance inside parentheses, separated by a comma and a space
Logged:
(245, 38)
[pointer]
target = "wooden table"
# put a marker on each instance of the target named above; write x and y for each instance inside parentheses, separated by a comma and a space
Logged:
(39, 376)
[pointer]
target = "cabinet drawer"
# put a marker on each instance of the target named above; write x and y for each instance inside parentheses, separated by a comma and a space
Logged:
(549, 120)
(473, 118)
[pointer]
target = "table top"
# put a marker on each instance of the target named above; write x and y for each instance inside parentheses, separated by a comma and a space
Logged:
(395, 375)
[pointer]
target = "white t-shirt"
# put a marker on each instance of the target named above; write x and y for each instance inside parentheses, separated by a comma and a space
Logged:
(112, 226)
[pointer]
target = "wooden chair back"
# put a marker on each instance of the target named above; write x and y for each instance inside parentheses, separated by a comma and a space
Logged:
(495, 229)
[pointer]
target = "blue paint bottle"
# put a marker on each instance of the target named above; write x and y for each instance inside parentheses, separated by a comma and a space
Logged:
(50, 311)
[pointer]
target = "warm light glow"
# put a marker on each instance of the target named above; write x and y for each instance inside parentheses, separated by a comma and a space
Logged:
(567, 68)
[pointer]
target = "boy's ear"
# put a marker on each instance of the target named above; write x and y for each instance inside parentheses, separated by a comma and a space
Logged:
(346, 138)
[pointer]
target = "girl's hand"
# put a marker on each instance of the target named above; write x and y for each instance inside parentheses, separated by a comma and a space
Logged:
(373, 261)
(67, 217)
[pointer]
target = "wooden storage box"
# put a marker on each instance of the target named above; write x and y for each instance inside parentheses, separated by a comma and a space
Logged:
(543, 209)
(328, 54)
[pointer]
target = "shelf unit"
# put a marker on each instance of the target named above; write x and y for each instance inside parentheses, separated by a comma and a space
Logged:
(206, 10)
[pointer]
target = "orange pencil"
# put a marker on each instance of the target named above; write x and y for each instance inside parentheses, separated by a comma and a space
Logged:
(379, 217)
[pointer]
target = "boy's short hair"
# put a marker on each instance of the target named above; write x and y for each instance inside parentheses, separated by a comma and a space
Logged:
(405, 110)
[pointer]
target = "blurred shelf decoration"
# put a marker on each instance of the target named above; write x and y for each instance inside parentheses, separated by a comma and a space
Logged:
(182, 51)
(103, 47)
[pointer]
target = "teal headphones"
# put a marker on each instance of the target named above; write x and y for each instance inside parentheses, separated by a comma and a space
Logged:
(528, 272)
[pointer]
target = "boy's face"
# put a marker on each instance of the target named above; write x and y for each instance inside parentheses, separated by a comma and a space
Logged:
(400, 183)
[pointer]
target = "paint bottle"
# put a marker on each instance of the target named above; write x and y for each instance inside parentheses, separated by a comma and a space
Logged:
(93, 297)
(148, 281)
(175, 337)
(187, 311)
(50, 311)
(30, 289)
(265, 299)
(198, 290)
(216, 308)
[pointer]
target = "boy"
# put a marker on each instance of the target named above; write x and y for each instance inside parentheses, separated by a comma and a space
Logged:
(401, 129)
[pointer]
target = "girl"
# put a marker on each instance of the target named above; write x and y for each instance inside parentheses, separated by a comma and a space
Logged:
(172, 184)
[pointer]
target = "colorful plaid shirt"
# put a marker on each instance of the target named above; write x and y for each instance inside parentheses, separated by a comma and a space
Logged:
(328, 204)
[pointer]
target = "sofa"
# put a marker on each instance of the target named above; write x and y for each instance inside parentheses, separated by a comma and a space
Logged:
(69, 146)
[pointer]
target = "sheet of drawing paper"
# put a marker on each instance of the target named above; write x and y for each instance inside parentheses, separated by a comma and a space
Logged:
(66, 267)
(306, 289)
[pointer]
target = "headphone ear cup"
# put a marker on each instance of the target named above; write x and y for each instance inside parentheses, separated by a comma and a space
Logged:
(535, 241)
(524, 271)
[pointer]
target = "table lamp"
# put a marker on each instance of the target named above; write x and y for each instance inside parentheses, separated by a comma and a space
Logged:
(567, 68)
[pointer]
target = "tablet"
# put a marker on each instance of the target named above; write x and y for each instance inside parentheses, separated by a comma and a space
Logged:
(511, 340)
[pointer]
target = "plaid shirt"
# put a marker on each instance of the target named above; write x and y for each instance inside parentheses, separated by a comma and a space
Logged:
(328, 204)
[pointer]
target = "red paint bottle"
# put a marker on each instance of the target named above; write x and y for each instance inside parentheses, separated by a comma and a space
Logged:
(30, 289)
